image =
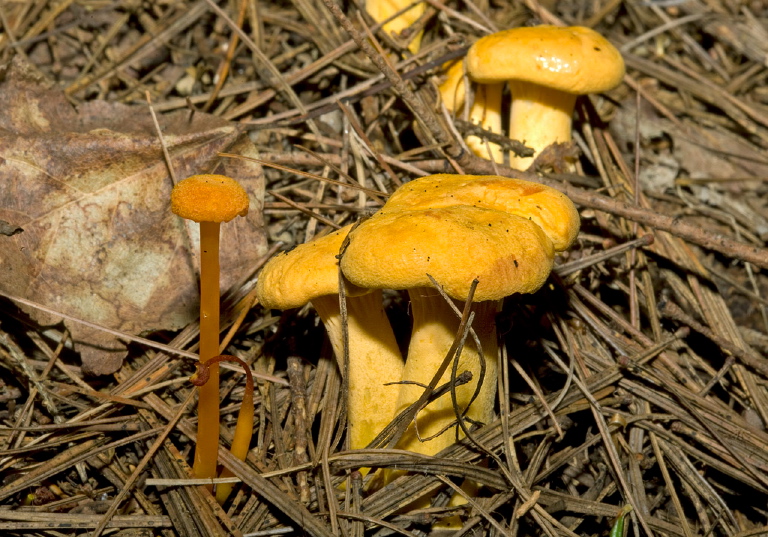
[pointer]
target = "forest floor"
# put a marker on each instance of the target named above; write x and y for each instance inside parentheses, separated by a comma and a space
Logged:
(633, 387)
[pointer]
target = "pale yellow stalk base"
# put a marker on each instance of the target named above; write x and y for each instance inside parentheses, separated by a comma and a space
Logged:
(374, 361)
(539, 117)
(434, 328)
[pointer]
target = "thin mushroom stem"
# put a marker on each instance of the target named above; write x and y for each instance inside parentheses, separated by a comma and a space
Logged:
(539, 117)
(241, 440)
(208, 404)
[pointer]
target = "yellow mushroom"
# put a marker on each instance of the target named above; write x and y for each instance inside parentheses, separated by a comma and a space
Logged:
(546, 67)
(485, 110)
(310, 273)
(502, 232)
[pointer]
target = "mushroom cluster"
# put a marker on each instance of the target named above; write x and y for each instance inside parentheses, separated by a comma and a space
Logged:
(453, 229)
(502, 233)
(545, 68)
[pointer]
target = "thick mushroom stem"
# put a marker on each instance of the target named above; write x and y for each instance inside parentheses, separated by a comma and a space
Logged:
(206, 449)
(486, 112)
(435, 325)
(452, 90)
(310, 273)
(374, 362)
(539, 117)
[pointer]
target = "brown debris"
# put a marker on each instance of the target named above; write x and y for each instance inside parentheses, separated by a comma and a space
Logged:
(636, 376)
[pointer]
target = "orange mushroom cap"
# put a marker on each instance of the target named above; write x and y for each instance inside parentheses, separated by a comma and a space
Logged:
(574, 59)
(506, 253)
(550, 209)
(209, 198)
(307, 272)
(456, 228)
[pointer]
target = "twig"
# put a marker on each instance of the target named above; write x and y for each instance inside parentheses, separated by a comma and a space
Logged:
(470, 129)
(299, 411)
(419, 108)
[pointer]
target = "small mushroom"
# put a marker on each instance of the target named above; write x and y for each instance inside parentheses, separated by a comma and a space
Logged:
(546, 67)
(453, 88)
(486, 112)
(208, 200)
(310, 273)
(501, 232)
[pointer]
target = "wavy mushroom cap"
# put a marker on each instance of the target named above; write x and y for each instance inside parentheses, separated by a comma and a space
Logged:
(573, 59)
(396, 250)
(311, 270)
(209, 198)
(548, 208)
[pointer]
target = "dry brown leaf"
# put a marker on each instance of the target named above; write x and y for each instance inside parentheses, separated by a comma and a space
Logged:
(90, 189)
